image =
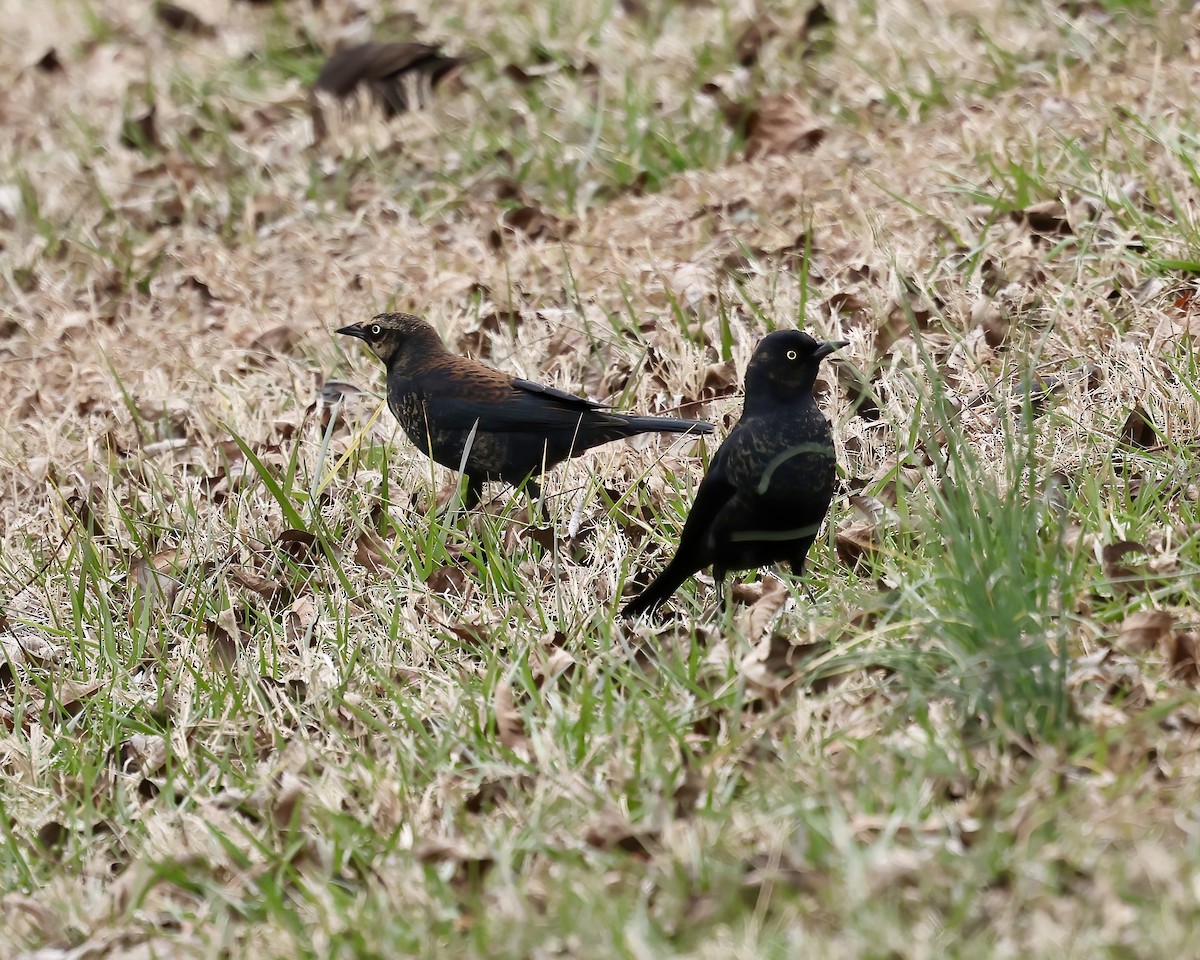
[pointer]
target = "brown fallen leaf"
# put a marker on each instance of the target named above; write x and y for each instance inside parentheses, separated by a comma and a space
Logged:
(532, 222)
(1049, 217)
(1145, 630)
(178, 18)
(144, 753)
(781, 124)
(287, 804)
(1139, 431)
(225, 636)
(49, 61)
(298, 622)
(141, 132)
(771, 666)
(277, 341)
(611, 830)
(996, 327)
(467, 865)
(762, 612)
(452, 580)
(856, 545)
(510, 725)
(1124, 579)
(371, 552)
(156, 582)
(748, 44)
(1184, 657)
(265, 587)
(68, 695)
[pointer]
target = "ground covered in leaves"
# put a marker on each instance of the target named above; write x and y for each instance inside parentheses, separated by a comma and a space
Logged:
(258, 699)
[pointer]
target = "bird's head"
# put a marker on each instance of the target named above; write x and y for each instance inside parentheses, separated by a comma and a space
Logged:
(393, 337)
(784, 365)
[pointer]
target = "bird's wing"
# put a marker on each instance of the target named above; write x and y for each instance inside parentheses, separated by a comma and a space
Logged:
(501, 405)
(572, 401)
(715, 491)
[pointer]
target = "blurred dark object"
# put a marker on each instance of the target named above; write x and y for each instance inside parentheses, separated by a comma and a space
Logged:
(400, 76)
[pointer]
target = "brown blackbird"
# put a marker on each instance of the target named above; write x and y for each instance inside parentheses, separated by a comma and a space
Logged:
(514, 428)
(399, 75)
(769, 485)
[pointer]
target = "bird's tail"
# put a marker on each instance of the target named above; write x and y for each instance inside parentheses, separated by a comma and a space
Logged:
(665, 425)
(655, 595)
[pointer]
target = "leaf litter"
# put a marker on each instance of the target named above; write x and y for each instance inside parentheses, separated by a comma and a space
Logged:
(221, 313)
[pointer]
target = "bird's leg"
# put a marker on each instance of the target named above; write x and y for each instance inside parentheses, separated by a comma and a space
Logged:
(474, 492)
(798, 573)
(719, 590)
(470, 498)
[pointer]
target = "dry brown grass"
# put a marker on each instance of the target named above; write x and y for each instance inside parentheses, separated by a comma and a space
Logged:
(392, 737)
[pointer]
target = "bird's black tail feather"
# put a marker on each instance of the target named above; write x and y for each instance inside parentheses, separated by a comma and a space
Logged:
(655, 595)
(667, 425)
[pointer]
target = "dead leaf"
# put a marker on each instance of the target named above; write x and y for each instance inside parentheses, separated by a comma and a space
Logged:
(371, 552)
(68, 695)
(141, 132)
(1145, 630)
(144, 753)
(510, 725)
(177, 18)
(300, 546)
(49, 62)
(298, 622)
(762, 612)
(1049, 217)
(156, 582)
(856, 545)
(1185, 657)
(450, 579)
(1124, 579)
(1139, 430)
(770, 666)
(752, 38)
(287, 807)
(460, 864)
(781, 124)
(995, 325)
(611, 830)
(277, 341)
(533, 222)
(224, 636)
(265, 587)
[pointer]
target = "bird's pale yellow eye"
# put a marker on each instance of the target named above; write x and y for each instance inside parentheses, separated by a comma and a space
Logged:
(375, 330)
(791, 354)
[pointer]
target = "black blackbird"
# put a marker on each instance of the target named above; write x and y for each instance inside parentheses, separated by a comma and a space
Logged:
(769, 486)
(514, 428)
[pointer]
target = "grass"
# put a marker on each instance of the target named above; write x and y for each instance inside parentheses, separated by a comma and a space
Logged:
(259, 700)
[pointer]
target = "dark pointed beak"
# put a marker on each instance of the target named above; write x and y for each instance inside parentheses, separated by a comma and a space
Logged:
(354, 330)
(824, 349)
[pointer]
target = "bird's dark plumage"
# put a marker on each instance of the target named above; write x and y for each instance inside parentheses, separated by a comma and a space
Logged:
(769, 485)
(399, 75)
(509, 428)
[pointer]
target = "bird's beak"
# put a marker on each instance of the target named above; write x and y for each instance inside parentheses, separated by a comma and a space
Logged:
(354, 330)
(822, 351)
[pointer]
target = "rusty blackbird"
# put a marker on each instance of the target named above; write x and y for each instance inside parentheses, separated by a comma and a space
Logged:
(769, 485)
(509, 428)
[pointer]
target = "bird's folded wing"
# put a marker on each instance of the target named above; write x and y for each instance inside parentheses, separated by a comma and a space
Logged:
(520, 410)
(540, 389)
(714, 493)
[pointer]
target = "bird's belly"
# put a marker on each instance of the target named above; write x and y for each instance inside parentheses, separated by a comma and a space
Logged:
(793, 473)
(769, 530)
